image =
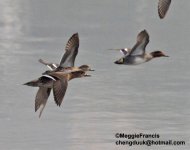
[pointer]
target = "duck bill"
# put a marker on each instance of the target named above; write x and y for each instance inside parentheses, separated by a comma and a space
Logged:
(91, 70)
(166, 56)
(87, 75)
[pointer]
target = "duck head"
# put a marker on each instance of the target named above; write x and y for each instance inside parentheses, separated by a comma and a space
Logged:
(86, 68)
(158, 54)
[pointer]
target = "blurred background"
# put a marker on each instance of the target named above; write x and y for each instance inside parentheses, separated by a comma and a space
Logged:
(148, 98)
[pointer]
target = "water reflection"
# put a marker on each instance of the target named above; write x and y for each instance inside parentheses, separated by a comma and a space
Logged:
(10, 23)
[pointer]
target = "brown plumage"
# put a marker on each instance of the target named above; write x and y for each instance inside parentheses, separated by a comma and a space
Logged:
(61, 84)
(58, 80)
(58, 75)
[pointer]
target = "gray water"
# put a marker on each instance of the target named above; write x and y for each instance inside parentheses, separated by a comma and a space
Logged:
(148, 98)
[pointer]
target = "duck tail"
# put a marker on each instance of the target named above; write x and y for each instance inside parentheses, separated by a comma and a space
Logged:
(34, 83)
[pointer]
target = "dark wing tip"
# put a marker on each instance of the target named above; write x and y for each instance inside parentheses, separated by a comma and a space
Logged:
(57, 100)
(72, 42)
(37, 106)
(163, 6)
(143, 34)
(57, 103)
(76, 34)
(59, 90)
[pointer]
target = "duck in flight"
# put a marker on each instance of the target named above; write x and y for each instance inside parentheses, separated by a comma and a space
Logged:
(137, 54)
(58, 76)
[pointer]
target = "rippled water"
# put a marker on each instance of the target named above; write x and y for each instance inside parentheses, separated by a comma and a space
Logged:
(149, 98)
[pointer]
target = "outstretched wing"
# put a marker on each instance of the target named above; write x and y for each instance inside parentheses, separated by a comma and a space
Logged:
(71, 49)
(41, 99)
(142, 41)
(59, 90)
(163, 6)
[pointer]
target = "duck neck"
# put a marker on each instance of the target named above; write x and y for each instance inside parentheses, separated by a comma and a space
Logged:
(149, 56)
(70, 76)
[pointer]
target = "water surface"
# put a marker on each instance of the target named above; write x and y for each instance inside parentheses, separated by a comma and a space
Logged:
(149, 98)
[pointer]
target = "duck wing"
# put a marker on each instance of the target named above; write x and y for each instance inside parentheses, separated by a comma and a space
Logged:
(59, 90)
(51, 66)
(71, 49)
(124, 51)
(163, 6)
(41, 99)
(142, 41)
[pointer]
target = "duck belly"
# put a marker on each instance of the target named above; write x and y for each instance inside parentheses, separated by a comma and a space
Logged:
(134, 60)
